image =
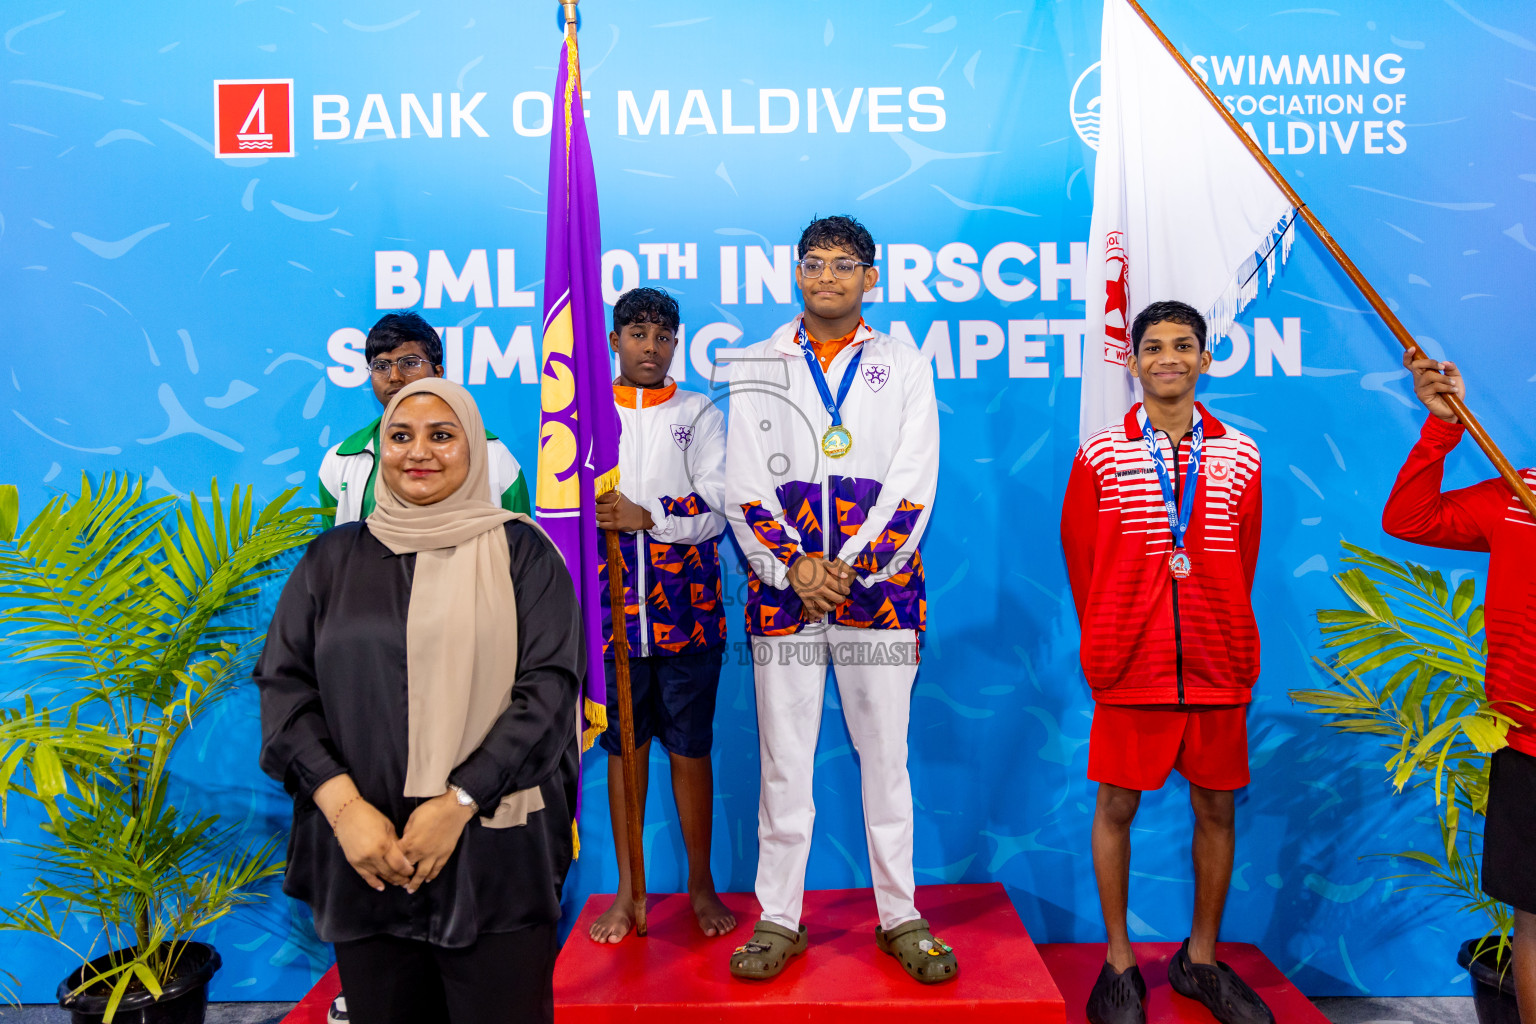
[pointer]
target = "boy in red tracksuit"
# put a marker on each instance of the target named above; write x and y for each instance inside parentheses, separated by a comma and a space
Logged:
(1161, 532)
(1486, 517)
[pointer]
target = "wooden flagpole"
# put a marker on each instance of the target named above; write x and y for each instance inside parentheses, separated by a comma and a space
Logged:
(1486, 443)
(634, 818)
(634, 814)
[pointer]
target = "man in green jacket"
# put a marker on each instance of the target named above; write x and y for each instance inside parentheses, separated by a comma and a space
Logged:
(401, 347)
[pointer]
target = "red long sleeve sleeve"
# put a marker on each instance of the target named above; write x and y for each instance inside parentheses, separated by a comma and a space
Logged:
(1483, 517)
(1250, 521)
(1418, 511)
(1079, 529)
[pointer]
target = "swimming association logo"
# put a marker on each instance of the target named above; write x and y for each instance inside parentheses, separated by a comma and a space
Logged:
(253, 117)
(1083, 106)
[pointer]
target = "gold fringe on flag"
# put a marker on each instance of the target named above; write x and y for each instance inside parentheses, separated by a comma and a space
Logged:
(605, 483)
(597, 723)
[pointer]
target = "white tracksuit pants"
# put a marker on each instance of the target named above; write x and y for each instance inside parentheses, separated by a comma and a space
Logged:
(877, 704)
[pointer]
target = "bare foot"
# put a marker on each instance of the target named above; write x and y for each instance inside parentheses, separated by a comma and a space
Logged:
(715, 918)
(615, 922)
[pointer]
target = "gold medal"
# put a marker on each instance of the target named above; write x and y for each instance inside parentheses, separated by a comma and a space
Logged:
(836, 442)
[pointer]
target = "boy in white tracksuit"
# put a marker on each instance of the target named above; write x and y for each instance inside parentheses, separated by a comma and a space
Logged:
(667, 509)
(401, 347)
(834, 428)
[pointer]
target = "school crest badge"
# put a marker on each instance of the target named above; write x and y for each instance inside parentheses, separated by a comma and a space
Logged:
(683, 435)
(876, 374)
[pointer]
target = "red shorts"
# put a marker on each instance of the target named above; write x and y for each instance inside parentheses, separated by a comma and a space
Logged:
(1136, 748)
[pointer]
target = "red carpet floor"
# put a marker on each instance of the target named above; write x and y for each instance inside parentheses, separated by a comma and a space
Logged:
(1076, 965)
(677, 975)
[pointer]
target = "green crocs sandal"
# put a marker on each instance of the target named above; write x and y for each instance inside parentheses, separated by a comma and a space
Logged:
(767, 952)
(921, 955)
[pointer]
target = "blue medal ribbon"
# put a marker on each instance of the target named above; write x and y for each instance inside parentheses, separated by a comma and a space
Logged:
(1179, 514)
(834, 408)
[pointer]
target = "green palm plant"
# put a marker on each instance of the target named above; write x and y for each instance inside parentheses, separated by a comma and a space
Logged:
(124, 603)
(1407, 664)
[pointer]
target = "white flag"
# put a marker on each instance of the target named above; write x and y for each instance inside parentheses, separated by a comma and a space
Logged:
(1181, 210)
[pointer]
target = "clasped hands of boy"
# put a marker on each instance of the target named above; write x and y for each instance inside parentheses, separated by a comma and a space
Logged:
(821, 584)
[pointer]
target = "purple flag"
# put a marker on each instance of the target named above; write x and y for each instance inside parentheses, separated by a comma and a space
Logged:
(578, 424)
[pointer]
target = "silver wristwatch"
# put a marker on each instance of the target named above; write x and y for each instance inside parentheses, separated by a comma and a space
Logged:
(462, 796)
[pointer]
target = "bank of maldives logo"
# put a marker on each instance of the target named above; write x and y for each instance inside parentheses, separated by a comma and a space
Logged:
(1084, 106)
(253, 117)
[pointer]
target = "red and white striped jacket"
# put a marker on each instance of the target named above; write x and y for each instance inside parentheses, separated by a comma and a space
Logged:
(1484, 517)
(1146, 637)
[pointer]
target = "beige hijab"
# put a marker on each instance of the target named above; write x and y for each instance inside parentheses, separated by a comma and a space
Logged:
(461, 626)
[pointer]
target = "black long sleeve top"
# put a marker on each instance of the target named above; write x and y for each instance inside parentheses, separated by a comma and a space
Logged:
(333, 699)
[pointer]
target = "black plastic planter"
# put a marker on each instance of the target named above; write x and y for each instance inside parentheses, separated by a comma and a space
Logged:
(1493, 989)
(183, 1001)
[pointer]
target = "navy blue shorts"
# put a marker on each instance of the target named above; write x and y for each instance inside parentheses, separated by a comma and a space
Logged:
(674, 699)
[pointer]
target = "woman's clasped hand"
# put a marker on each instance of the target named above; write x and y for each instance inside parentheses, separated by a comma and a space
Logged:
(376, 852)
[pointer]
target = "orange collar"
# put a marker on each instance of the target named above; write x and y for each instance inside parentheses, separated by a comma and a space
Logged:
(625, 395)
(826, 351)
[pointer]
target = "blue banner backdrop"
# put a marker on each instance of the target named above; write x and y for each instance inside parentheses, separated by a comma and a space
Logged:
(182, 315)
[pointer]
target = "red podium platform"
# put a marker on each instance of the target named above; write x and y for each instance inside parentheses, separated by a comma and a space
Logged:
(313, 1008)
(676, 975)
(1075, 966)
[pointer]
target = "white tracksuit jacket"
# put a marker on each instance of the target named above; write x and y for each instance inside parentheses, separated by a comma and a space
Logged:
(877, 498)
(672, 462)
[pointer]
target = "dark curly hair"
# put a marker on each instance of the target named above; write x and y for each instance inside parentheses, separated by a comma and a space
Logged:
(1167, 311)
(646, 306)
(838, 233)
